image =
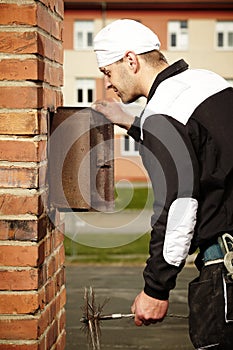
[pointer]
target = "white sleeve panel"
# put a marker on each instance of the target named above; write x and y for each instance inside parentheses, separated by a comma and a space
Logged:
(180, 228)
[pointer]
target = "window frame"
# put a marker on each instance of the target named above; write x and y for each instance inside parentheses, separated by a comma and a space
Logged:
(225, 28)
(179, 33)
(84, 85)
(83, 28)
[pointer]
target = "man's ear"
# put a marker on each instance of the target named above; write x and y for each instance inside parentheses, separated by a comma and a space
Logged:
(132, 60)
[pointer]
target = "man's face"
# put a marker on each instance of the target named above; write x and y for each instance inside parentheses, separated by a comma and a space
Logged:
(119, 78)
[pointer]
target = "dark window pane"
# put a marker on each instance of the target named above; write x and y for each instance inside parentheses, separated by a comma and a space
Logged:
(230, 39)
(89, 39)
(173, 40)
(183, 24)
(220, 39)
(126, 143)
(79, 95)
(89, 95)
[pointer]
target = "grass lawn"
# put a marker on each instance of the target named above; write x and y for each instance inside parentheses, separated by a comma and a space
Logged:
(133, 198)
(135, 252)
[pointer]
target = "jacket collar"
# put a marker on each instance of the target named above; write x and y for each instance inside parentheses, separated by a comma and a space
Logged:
(175, 68)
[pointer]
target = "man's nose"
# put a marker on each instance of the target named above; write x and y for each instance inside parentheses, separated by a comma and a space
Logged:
(107, 83)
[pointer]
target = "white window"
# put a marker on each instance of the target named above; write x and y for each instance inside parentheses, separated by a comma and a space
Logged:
(129, 146)
(178, 35)
(224, 30)
(83, 35)
(85, 92)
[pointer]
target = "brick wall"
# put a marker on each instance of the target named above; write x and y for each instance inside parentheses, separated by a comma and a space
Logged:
(32, 291)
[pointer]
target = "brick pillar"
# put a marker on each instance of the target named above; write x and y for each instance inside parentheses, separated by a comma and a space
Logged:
(32, 291)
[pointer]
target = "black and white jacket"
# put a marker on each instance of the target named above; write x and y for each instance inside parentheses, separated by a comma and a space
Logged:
(186, 137)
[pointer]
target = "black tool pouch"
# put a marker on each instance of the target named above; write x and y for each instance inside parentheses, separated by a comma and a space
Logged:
(211, 309)
(204, 306)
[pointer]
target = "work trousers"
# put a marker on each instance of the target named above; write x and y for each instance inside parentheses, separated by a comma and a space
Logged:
(211, 309)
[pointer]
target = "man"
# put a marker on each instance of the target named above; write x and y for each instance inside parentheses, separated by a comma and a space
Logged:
(185, 135)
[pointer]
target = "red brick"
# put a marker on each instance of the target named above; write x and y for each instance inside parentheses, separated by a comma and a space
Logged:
(42, 176)
(18, 14)
(51, 267)
(42, 274)
(12, 176)
(23, 230)
(52, 334)
(41, 299)
(13, 328)
(46, 22)
(44, 321)
(52, 310)
(22, 151)
(19, 279)
(53, 74)
(50, 48)
(20, 303)
(50, 290)
(17, 346)
(62, 320)
(21, 255)
(48, 248)
(41, 40)
(12, 69)
(44, 118)
(13, 204)
(42, 344)
(61, 255)
(30, 97)
(60, 279)
(61, 300)
(31, 42)
(31, 69)
(23, 123)
(61, 342)
(58, 238)
(18, 42)
(56, 6)
(52, 97)
(27, 97)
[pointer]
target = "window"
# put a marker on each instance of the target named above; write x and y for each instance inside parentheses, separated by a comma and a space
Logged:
(129, 146)
(224, 33)
(178, 35)
(85, 92)
(83, 35)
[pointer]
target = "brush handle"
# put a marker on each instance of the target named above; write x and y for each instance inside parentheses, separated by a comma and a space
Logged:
(108, 317)
(119, 316)
(115, 316)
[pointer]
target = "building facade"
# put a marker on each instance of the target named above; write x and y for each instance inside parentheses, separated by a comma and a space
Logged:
(201, 32)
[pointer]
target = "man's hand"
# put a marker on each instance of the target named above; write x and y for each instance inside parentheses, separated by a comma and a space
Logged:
(148, 310)
(113, 111)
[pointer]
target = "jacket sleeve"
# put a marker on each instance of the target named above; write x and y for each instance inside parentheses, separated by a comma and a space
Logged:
(134, 131)
(170, 160)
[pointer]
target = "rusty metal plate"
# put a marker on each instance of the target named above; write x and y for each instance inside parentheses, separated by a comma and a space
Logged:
(81, 165)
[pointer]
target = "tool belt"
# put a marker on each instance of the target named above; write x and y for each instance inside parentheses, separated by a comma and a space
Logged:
(220, 251)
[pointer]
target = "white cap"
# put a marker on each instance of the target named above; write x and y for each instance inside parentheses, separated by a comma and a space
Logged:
(111, 43)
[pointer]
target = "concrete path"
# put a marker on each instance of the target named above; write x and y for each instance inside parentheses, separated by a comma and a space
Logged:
(121, 284)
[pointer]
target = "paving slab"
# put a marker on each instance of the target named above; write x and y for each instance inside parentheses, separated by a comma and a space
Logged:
(121, 284)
